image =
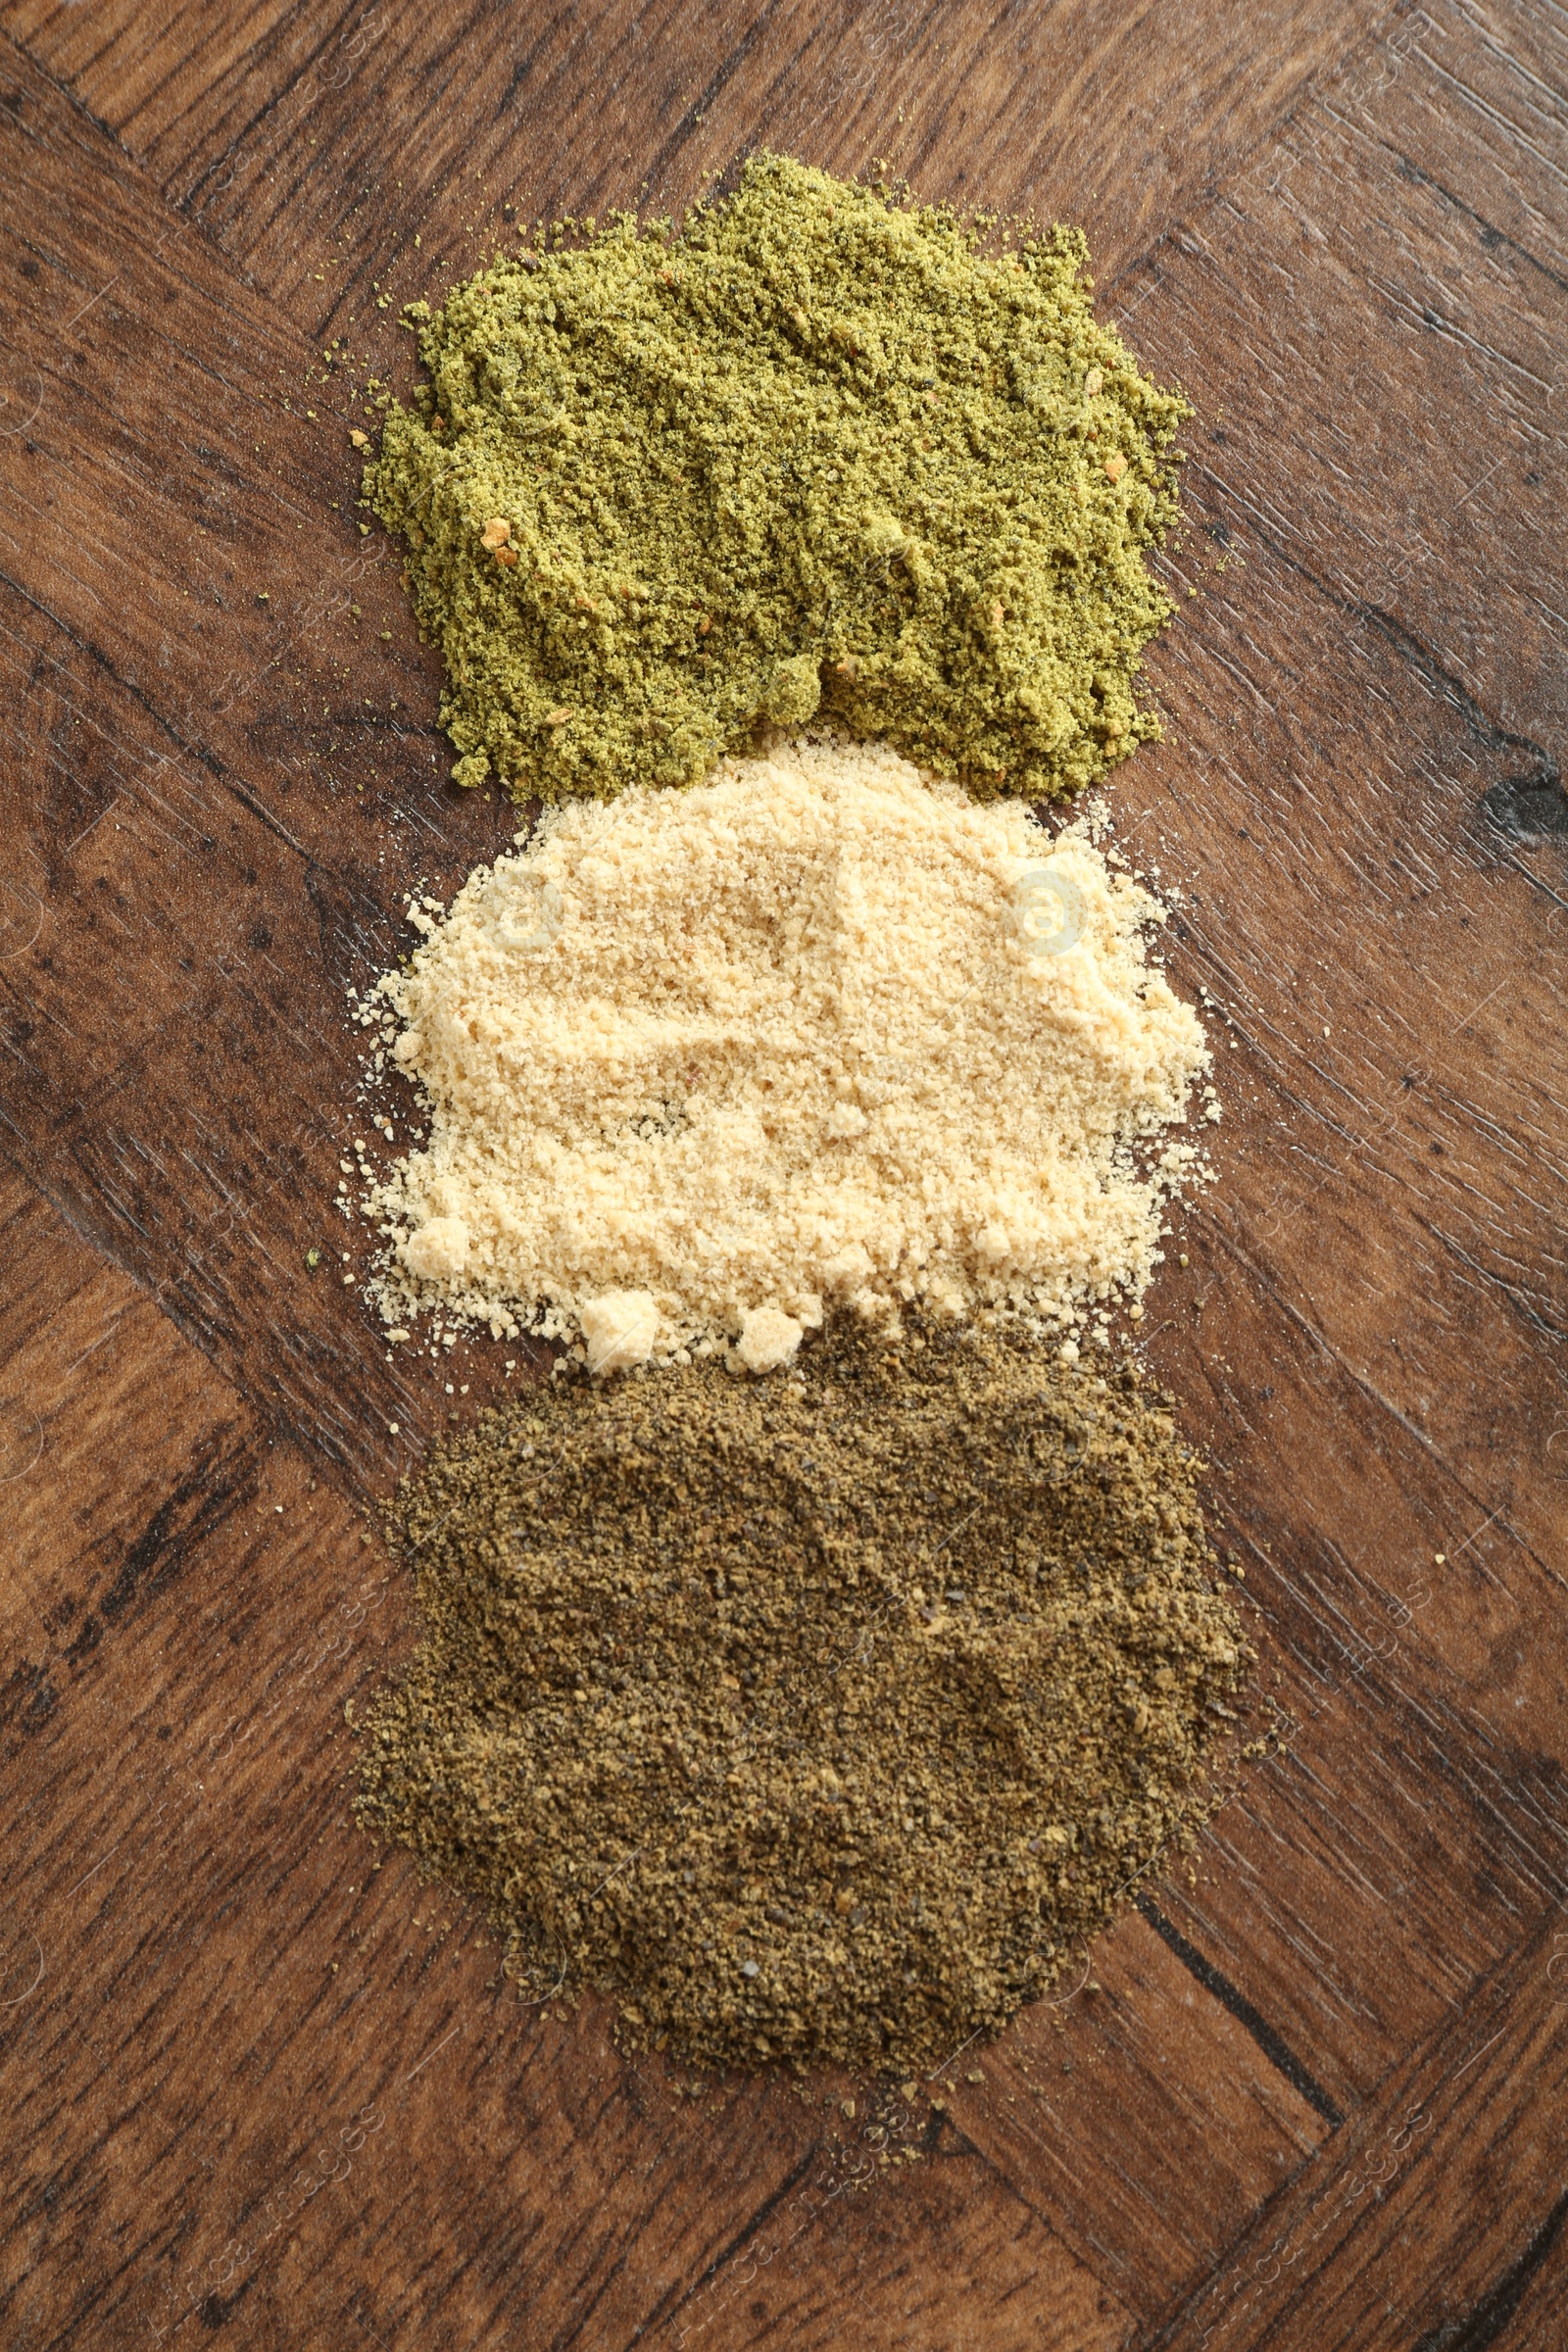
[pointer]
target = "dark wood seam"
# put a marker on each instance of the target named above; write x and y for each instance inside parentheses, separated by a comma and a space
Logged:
(1273, 2045)
(664, 2308)
(1488, 2319)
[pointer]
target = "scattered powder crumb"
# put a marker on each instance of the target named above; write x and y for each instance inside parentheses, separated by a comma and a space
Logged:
(803, 1034)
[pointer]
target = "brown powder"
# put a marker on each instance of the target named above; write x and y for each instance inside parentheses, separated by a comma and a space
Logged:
(822, 1717)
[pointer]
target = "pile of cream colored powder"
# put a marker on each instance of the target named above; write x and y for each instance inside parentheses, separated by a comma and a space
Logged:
(698, 1064)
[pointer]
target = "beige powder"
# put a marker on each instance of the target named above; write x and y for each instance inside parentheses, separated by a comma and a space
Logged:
(796, 1034)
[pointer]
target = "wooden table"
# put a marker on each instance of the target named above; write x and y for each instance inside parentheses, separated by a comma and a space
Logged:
(256, 2087)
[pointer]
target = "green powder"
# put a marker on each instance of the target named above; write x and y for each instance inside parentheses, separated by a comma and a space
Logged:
(818, 1720)
(823, 449)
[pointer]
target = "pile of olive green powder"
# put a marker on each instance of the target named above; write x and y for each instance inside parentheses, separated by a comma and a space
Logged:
(823, 448)
(818, 1720)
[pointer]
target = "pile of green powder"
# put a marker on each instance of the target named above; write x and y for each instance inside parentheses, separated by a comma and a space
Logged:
(818, 1719)
(822, 448)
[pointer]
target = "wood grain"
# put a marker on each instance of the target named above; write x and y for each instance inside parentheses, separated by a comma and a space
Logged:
(269, 131)
(209, 877)
(262, 2086)
(1394, 422)
(1437, 2219)
(98, 1523)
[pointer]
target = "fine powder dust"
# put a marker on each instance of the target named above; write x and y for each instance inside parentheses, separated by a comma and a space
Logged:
(799, 1035)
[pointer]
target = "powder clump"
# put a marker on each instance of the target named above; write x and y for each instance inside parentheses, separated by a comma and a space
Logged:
(618, 1330)
(784, 1038)
(820, 1719)
(768, 1339)
(823, 452)
(439, 1250)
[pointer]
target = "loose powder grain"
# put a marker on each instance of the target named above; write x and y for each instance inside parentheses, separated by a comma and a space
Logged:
(789, 1037)
(819, 1720)
(822, 450)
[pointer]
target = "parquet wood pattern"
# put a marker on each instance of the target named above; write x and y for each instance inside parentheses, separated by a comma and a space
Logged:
(258, 2088)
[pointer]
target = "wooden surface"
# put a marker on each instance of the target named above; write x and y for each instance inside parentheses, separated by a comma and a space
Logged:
(254, 2087)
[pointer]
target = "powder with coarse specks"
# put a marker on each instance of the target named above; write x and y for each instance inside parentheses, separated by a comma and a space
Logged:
(820, 1719)
(824, 450)
(780, 1040)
